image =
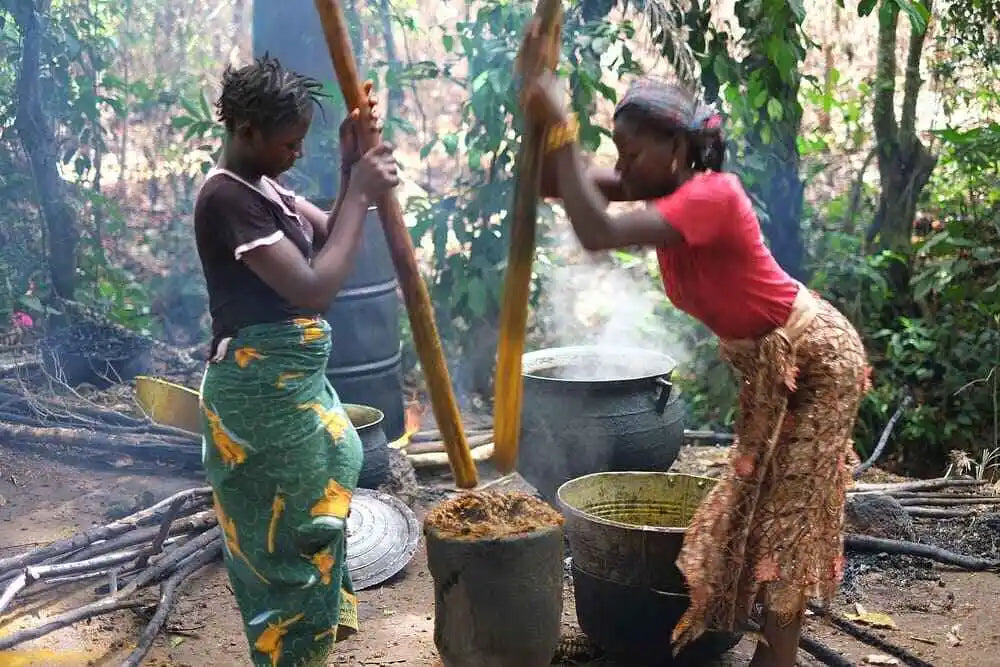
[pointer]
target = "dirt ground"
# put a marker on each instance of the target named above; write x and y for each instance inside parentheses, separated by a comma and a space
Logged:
(947, 618)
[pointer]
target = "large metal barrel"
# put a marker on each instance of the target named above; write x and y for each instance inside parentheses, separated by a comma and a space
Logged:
(365, 361)
(593, 409)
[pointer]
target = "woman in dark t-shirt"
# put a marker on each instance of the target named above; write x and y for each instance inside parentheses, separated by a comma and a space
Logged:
(280, 453)
(770, 530)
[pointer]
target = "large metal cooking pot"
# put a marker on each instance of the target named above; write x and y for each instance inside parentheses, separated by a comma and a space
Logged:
(592, 409)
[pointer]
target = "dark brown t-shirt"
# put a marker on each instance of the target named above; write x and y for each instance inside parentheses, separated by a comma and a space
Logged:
(232, 217)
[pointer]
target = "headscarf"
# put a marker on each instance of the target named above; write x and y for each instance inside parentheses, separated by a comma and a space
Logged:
(669, 105)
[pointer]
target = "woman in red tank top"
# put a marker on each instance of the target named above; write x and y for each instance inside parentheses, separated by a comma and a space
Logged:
(770, 532)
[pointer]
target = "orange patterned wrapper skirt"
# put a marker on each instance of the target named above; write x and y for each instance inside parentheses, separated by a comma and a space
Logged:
(771, 530)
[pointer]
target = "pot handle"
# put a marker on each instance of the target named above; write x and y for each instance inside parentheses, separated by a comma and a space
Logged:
(666, 388)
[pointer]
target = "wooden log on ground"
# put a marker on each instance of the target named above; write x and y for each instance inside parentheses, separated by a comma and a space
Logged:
(517, 283)
(164, 434)
(434, 434)
(136, 446)
(440, 459)
(937, 513)
(954, 501)
(415, 296)
(439, 446)
(944, 495)
(196, 523)
(868, 637)
(122, 599)
(920, 485)
(868, 544)
(98, 533)
(822, 652)
(36, 573)
(168, 591)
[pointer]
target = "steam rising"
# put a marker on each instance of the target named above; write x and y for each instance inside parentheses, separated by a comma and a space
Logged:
(590, 300)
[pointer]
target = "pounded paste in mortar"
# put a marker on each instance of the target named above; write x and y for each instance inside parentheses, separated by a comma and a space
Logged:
(490, 514)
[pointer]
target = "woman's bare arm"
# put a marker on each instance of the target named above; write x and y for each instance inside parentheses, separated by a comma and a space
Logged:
(586, 207)
(314, 285)
(607, 181)
(283, 267)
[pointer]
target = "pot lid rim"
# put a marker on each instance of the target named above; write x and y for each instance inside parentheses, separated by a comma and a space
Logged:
(531, 362)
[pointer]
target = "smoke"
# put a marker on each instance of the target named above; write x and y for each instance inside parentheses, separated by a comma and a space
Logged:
(589, 299)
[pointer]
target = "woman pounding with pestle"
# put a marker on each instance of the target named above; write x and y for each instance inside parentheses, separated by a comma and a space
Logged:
(281, 455)
(770, 531)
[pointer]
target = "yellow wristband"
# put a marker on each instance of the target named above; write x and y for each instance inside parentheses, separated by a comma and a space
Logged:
(562, 134)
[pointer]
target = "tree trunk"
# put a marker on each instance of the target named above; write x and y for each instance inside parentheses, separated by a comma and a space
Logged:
(904, 163)
(39, 142)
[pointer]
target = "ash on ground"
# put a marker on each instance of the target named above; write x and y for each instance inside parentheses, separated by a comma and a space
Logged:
(978, 537)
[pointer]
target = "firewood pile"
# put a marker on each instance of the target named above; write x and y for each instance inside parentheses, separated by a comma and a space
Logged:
(161, 545)
(38, 422)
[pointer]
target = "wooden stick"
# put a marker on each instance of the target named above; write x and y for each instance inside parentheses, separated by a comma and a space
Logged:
(157, 546)
(936, 513)
(954, 501)
(884, 438)
(88, 537)
(34, 573)
(920, 485)
(868, 544)
(517, 283)
(195, 523)
(103, 606)
(868, 637)
(438, 459)
(418, 302)
(439, 446)
(167, 592)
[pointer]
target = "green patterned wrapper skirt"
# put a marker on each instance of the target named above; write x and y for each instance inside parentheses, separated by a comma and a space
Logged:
(283, 460)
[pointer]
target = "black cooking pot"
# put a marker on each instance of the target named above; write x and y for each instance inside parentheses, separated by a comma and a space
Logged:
(590, 409)
(367, 421)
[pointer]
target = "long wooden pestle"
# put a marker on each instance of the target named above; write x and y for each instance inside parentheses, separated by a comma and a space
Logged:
(415, 296)
(517, 283)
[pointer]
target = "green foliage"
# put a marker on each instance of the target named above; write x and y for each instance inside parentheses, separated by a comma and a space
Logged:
(469, 225)
(79, 96)
(949, 353)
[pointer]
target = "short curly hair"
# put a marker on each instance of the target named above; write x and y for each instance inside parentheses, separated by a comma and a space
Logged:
(266, 95)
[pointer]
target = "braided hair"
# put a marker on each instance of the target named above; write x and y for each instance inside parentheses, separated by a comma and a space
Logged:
(669, 110)
(266, 95)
